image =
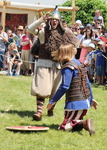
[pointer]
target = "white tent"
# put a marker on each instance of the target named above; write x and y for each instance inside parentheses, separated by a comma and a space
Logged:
(43, 2)
(32, 10)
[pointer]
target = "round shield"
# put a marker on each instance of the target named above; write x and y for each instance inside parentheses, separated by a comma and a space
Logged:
(27, 128)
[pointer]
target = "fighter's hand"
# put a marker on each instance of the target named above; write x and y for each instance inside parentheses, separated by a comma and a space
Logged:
(49, 106)
(46, 16)
(94, 104)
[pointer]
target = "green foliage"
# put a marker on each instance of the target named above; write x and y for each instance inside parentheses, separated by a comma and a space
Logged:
(17, 107)
(86, 10)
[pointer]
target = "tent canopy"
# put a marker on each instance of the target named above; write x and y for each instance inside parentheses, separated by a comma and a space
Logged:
(34, 7)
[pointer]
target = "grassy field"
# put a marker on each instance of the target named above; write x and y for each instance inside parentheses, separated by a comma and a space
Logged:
(17, 107)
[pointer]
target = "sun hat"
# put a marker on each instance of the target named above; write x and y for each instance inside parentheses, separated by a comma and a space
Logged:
(82, 27)
(101, 43)
(96, 39)
(91, 45)
(20, 28)
(78, 21)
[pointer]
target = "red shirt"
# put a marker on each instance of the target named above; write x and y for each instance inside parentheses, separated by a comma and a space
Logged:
(25, 38)
(104, 40)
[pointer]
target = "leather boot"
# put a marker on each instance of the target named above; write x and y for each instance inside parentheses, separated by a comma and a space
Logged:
(50, 112)
(78, 127)
(38, 115)
(88, 126)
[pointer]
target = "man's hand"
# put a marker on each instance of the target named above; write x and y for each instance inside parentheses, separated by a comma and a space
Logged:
(46, 16)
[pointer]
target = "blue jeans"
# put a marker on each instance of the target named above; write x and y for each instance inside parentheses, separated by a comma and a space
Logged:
(2, 59)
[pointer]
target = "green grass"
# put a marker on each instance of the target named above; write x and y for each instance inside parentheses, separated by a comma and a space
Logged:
(17, 107)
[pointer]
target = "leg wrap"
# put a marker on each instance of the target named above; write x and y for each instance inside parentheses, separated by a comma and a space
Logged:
(40, 104)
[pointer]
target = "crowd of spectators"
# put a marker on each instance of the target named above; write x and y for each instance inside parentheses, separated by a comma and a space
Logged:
(15, 51)
(92, 47)
(17, 59)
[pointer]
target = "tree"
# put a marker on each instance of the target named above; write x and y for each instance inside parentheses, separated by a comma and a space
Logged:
(86, 10)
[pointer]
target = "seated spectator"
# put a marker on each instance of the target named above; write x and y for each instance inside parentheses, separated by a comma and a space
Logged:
(12, 60)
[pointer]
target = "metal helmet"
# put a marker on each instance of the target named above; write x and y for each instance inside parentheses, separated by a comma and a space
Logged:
(56, 14)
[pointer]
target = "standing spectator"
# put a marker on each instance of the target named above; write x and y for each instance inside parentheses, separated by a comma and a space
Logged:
(78, 23)
(64, 24)
(84, 42)
(72, 28)
(26, 44)
(48, 76)
(99, 31)
(104, 39)
(90, 62)
(3, 40)
(95, 42)
(89, 26)
(18, 36)
(12, 60)
(98, 17)
(35, 46)
(80, 36)
(100, 63)
(10, 38)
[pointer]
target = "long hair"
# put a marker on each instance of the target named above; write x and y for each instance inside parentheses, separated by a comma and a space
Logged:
(64, 53)
(91, 33)
(9, 47)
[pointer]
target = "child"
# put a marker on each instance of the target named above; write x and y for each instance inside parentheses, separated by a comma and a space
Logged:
(90, 62)
(12, 60)
(78, 91)
(98, 17)
(100, 63)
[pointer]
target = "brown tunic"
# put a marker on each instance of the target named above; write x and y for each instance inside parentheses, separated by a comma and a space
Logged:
(79, 88)
(53, 40)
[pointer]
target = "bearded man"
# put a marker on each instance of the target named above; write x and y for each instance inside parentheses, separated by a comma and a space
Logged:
(47, 77)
